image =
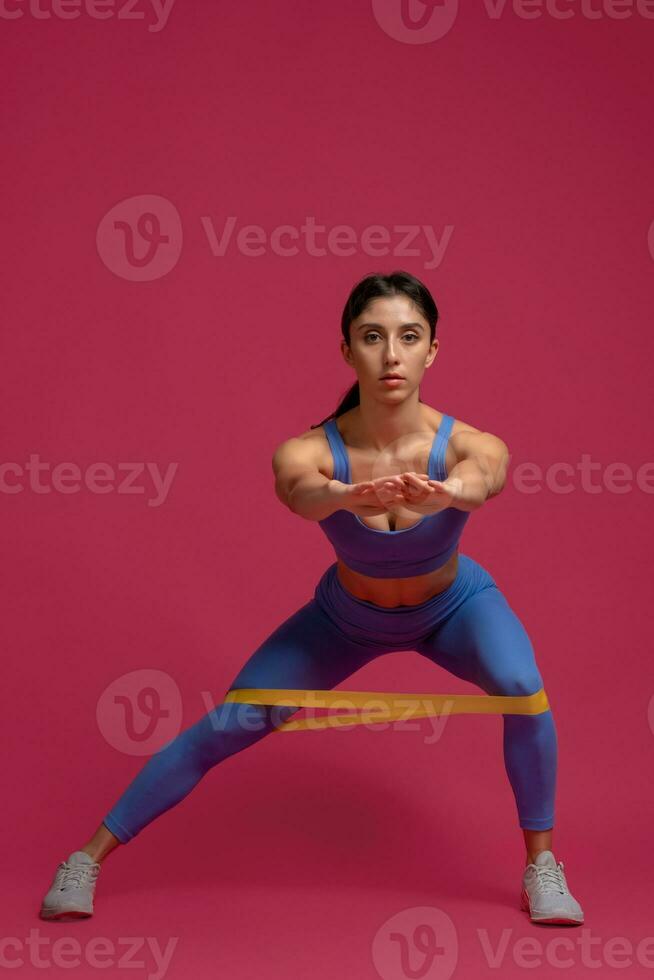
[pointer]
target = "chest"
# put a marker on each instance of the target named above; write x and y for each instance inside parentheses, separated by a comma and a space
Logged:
(411, 453)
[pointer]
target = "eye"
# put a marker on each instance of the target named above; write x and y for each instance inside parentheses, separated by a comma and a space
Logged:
(374, 333)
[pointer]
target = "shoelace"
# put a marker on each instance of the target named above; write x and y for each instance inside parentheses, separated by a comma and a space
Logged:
(552, 879)
(72, 875)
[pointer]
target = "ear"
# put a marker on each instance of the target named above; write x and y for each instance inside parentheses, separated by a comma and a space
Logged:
(347, 353)
(433, 351)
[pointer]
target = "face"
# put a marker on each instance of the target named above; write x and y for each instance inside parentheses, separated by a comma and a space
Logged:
(391, 335)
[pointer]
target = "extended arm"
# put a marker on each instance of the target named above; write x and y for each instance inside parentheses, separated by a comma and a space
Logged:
(480, 470)
(306, 491)
(300, 485)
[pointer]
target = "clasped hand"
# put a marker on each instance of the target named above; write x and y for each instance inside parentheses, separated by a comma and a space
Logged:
(411, 491)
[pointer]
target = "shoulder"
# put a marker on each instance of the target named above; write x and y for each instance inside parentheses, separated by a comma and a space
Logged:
(460, 426)
(466, 440)
(309, 446)
(436, 418)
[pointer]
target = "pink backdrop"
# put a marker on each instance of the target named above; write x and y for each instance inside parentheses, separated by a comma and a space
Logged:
(504, 158)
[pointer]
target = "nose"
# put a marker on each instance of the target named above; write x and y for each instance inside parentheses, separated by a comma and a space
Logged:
(390, 356)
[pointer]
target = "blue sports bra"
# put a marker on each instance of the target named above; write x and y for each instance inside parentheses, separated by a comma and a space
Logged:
(409, 551)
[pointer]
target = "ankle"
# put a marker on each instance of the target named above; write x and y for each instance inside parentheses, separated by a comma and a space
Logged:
(96, 856)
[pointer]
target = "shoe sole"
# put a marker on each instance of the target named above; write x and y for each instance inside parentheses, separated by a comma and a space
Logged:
(554, 920)
(47, 913)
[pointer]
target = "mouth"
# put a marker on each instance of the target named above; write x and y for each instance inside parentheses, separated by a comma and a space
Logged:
(392, 377)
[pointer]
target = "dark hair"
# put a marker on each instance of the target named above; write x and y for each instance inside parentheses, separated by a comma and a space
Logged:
(369, 288)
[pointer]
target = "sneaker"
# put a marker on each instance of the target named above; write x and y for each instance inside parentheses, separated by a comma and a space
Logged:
(545, 893)
(71, 892)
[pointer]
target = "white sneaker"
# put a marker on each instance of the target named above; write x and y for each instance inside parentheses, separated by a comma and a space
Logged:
(545, 893)
(71, 892)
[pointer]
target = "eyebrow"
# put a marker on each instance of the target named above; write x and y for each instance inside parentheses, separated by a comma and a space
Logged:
(379, 326)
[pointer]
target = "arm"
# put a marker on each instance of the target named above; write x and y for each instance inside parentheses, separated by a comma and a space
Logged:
(306, 491)
(300, 485)
(480, 470)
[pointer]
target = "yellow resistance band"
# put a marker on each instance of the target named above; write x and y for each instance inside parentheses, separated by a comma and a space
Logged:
(385, 707)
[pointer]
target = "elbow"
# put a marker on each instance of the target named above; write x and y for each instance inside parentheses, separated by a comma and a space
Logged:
(284, 497)
(292, 501)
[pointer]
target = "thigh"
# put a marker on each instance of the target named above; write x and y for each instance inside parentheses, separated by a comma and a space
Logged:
(485, 643)
(306, 651)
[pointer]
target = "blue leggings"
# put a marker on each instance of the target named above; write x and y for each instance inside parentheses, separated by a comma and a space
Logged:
(469, 630)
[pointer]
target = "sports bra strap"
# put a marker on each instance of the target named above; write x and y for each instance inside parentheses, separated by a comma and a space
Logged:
(339, 455)
(437, 469)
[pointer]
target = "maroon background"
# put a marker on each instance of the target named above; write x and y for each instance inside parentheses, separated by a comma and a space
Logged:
(531, 139)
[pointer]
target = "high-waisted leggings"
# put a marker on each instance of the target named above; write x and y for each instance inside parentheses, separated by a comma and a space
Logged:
(468, 629)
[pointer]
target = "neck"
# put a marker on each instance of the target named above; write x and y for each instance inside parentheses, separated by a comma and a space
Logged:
(380, 423)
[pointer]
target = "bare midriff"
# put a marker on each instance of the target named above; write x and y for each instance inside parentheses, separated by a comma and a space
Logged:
(391, 592)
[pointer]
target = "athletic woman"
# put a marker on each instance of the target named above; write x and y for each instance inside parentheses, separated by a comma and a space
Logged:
(392, 483)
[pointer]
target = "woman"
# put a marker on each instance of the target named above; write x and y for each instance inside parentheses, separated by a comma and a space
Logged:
(391, 482)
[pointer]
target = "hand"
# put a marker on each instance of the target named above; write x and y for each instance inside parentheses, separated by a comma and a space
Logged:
(386, 494)
(422, 495)
(359, 498)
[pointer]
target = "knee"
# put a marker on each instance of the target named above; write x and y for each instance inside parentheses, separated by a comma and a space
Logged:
(230, 727)
(243, 719)
(520, 685)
